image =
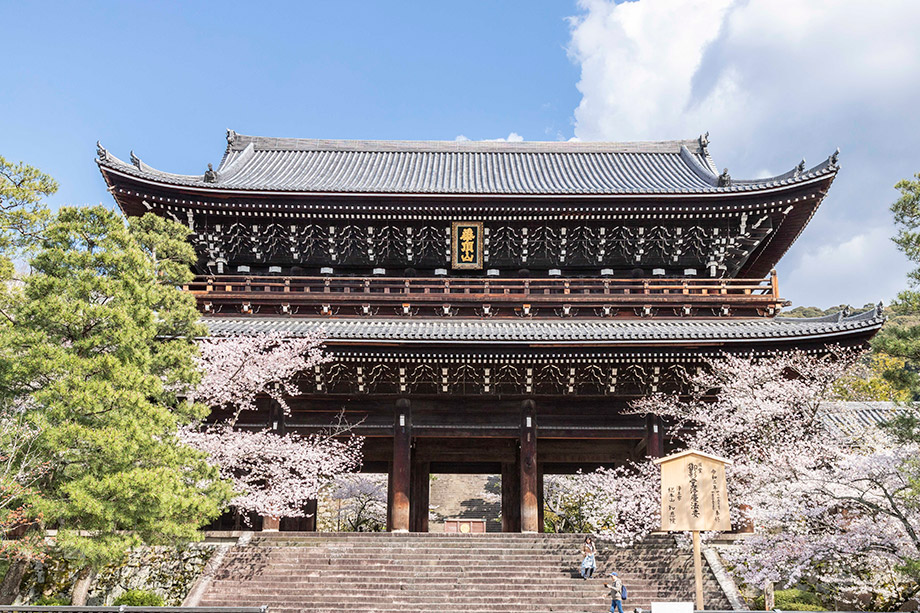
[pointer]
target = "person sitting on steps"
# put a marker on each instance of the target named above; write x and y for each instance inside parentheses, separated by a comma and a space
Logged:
(588, 564)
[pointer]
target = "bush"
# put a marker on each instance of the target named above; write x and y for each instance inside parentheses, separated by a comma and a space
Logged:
(52, 601)
(139, 598)
(792, 600)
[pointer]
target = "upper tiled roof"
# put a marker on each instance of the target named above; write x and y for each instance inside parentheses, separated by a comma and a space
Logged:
(553, 332)
(253, 163)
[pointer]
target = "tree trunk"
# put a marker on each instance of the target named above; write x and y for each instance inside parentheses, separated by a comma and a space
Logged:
(9, 589)
(769, 603)
(81, 587)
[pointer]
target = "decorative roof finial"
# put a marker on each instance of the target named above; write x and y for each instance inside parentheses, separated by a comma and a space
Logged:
(846, 311)
(725, 179)
(210, 175)
(704, 142)
(879, 307)
(135, 160)
(833, 158)
(101, 152)
(800, 168)
(231, 136)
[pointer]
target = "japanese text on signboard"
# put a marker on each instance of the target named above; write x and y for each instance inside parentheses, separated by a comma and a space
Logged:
(693, 494)
(466, 245)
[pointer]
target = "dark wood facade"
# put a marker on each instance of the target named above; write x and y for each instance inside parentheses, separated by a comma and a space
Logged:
(595, 273)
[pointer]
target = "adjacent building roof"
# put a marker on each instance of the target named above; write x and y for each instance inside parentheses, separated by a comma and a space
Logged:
(856, 417)
(260, 164)
(607, 332)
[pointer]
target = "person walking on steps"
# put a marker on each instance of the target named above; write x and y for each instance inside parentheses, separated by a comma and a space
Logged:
(588, 564)
(615, 585)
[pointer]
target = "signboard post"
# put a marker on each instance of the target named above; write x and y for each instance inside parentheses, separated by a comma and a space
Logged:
(694, 498)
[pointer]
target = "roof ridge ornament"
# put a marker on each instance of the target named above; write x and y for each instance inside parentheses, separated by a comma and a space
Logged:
(210, 175)
(800, 168)
(101, 151)
(135, 160)
(704, 143)
(231, 137)
(832, 159)
(725, 179)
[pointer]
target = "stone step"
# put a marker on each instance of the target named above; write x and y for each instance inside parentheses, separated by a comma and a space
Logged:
(415, 573)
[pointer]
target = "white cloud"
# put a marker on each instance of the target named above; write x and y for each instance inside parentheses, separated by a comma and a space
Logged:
(849, 271)
(513, 137)
(772, 80)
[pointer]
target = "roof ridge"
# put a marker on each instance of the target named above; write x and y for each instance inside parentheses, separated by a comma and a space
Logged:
(237, 142)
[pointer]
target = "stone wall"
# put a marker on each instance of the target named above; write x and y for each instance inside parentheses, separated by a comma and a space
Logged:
(167, 571)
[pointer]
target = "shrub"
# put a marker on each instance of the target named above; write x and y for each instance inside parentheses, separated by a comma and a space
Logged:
(792, 600)
(139, 598)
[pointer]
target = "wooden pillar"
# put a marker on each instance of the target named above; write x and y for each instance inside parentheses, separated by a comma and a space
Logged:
(389, 496)
(511, 495)
(418, 503)
(309, 524)
(541, 525)
(402, 467)
(654, 431)
(529, 511)
(276, 420)
(270, 524)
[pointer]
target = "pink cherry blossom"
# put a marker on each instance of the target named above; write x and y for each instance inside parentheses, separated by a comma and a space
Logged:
(274, 475)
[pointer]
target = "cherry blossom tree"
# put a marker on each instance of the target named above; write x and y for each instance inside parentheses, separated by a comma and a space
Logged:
(839, 514)
(620, 504)
(359, 503)
(833, 507)
(237, 370)
(274, 475)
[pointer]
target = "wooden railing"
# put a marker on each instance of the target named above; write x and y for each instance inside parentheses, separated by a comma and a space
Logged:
(463, 292)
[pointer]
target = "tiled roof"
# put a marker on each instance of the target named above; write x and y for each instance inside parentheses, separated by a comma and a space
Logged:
(254, 163)
(552, 332)
(856, 417)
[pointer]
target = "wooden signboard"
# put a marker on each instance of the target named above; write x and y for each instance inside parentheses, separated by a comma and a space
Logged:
(693, 494)
(466, 245)
(694, 498)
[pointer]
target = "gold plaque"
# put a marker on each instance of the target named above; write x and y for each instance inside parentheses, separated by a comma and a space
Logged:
(693, 494)
(466, 245)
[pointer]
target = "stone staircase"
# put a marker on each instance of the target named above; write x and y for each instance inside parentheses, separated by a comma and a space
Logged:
(482, 573)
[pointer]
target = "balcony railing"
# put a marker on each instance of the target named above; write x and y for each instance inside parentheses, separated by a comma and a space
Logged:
(462, 295)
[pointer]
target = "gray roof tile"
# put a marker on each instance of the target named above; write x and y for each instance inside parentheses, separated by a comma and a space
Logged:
(523, 331)
(471, 167)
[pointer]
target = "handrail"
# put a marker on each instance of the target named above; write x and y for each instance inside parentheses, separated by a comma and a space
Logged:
(457, 287)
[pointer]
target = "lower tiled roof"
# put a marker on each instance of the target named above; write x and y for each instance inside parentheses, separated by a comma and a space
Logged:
(552, 332)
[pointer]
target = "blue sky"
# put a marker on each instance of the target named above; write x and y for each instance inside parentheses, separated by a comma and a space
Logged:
(771, 80)
(167, 79)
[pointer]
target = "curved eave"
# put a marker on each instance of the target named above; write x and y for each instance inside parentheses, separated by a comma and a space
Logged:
(594, 335)
(195, 185)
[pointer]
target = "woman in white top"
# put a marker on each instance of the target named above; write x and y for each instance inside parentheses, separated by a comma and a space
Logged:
(588, 564)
